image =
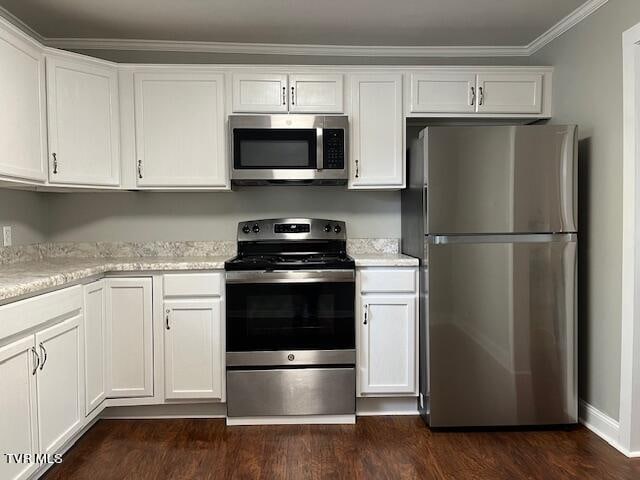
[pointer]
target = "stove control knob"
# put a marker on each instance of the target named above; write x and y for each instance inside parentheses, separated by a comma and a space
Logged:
(337, 229)
(246, 229)
(327, 227)
(256, 228)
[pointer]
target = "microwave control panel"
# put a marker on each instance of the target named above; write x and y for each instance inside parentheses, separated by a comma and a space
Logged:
(333, 146)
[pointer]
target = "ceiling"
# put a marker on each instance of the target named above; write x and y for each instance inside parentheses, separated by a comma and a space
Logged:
(310, 22)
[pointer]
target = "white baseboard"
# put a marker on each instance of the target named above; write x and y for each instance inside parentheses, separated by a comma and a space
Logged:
(294, 420)
(366, 407)
(183, 410)
(602, 425)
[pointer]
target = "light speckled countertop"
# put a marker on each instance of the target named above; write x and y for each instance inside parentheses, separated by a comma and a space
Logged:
(384, 260)
(34, 269)
(22, 279)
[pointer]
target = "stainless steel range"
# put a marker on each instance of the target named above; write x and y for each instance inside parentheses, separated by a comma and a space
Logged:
(290, 320)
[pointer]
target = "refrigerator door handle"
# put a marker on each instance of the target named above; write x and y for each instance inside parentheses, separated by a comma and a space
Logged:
(514, 238)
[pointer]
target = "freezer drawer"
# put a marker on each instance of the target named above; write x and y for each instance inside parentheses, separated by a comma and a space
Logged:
(487, 180)
(502, 331)
(291, 391)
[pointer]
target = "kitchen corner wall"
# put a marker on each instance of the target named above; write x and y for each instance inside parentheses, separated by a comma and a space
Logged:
(27, 213)
(138, 216)
(587, 84)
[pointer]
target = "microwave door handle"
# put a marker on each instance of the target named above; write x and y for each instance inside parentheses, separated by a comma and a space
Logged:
(319, 142)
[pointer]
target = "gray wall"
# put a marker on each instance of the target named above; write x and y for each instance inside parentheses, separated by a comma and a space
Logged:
(26, 212)
(201, 216)
(588, 91)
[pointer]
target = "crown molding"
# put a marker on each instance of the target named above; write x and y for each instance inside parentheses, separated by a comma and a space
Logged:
(554, 32)
(285, 49)
(20, 25)
(567, 23)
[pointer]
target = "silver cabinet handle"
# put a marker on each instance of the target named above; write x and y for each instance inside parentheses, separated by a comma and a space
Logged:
(55, 163)
(357, 169)
(36, 359)
(44, 355)
(366, 314)
(167, 319)
(293, 96)
(481, 100)
(140, 168)
(473, 96)
(284, 95)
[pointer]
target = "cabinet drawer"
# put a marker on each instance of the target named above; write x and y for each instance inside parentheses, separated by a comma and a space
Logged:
(193, 285)
(388, 280)
(25, 314)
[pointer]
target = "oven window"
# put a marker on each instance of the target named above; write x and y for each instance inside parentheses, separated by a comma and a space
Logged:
(286, 148)
(303, 316)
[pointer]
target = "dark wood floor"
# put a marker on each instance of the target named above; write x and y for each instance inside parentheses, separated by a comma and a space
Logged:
(376, 447)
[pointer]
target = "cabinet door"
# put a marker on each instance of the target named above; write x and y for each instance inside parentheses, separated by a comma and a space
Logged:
(443, 92)
(316, 94)
(22, 115)
(180, 130)
(129, 337)
(60, 384)
(193, 349)
(18, 419)
(260, 93)
(84, 136)
(387, 350)
(377, 159)
(94, 345)
(509, 93)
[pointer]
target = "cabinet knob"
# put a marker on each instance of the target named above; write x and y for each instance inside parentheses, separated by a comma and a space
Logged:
(140, 168)
(36, 360)
(473, 96)
(293, 96)
(55, 163)
(481, 99)
(284, 95)
(357, 169)
(366, 314)
(167, 319)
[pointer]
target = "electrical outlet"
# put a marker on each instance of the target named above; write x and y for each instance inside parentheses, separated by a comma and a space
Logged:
(6, 236)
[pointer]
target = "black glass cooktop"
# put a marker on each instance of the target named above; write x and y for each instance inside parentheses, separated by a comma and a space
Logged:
(290, 262)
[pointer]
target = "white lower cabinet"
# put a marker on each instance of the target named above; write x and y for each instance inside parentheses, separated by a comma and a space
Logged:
(387, 337)
(95, 353)
(129, 337)
(41, 380)
(60, 384)
(193, 349)
(18, 419)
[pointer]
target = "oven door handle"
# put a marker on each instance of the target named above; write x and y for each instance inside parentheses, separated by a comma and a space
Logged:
(291, 276)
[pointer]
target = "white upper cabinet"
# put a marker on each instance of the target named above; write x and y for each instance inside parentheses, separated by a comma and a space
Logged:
(281, 93)
(260, 93)
(180, 130)
(18, 419)
(83, 121)
(510, 93)
(60, 384)
(193, 349)
(22, 115)
(316, 94)
(129, 337)
(377, 132)
(498, 91)
(443, 92)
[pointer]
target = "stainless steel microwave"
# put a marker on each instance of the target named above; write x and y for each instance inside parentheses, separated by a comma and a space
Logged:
(288, 149)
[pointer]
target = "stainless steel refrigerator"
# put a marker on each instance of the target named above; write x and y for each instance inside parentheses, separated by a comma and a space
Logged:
(491, 213)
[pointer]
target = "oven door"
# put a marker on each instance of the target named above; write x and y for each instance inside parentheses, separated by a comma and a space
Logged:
(296, 317)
